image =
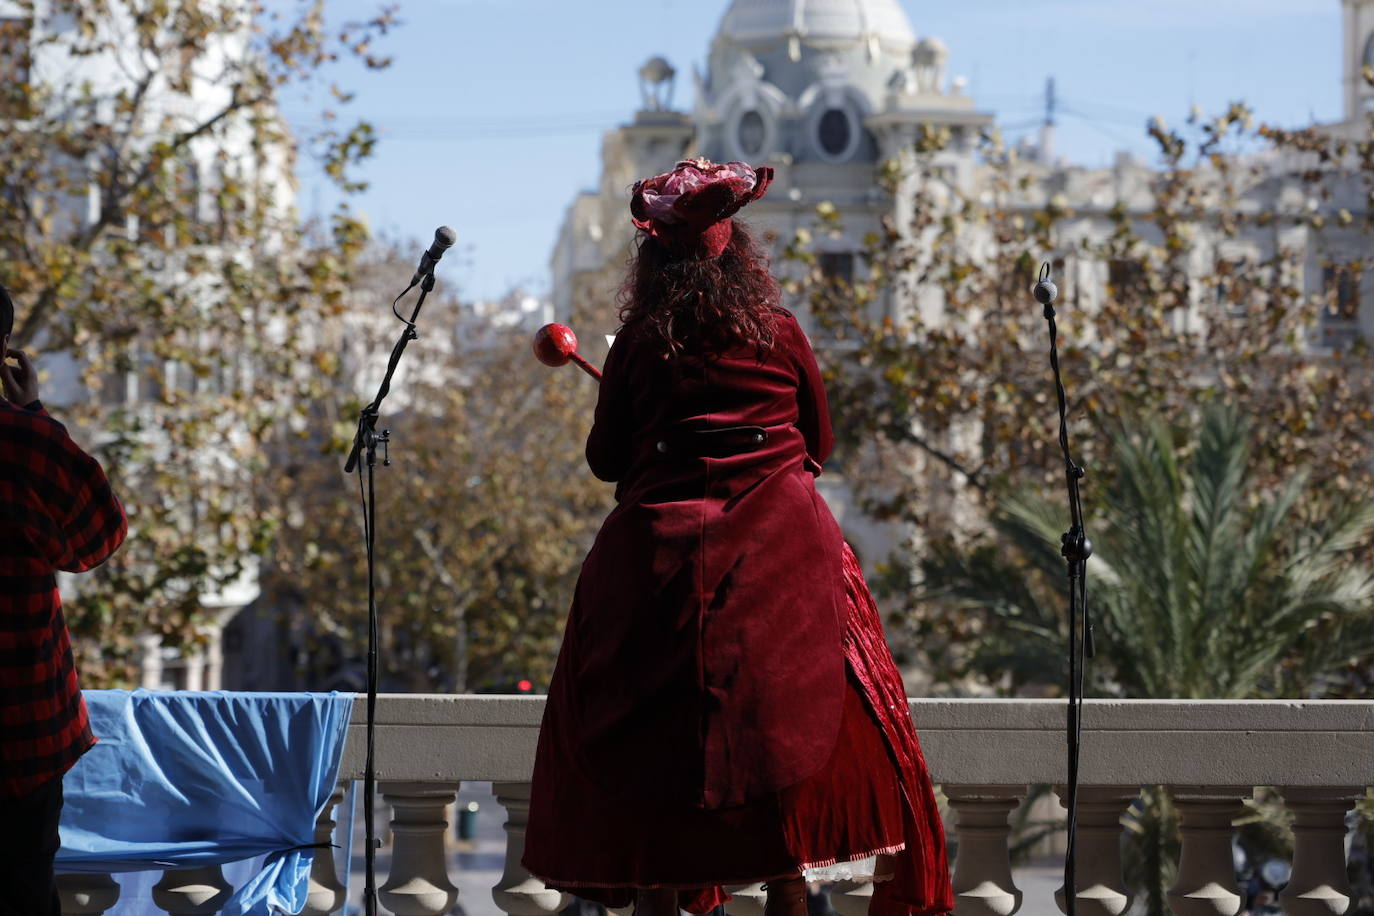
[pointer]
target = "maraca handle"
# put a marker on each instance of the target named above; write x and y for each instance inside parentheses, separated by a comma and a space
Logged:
(585, 366)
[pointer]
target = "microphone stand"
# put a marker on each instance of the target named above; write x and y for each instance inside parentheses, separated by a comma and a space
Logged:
(1075, 548)
(365, 444)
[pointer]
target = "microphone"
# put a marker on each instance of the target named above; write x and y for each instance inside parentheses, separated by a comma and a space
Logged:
(1045, 291)
(444, 237)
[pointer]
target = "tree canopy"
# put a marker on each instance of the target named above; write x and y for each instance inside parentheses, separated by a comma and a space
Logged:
(149, 235)
(1195, 287)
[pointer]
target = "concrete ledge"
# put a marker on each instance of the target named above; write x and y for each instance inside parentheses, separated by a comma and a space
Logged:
(967, 741)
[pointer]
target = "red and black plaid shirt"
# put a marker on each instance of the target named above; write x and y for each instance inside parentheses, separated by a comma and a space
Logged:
(56, 513)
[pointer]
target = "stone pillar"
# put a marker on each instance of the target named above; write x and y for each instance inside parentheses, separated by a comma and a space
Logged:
(1206, 884)
(214, 658)
(195, 670)
(326, 894)
(518, 892)
(418, 884)
(1102, 890)
(982, 870)
(193, 891)
(82, 894)
(150, 665)
(746, 900)
(1318, 885)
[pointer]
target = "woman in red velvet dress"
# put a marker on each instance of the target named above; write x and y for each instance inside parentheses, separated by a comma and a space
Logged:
(724, 708)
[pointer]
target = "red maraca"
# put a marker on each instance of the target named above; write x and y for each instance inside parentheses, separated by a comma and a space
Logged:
(556, 345)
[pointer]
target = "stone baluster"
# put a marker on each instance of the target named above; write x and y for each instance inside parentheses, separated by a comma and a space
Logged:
(851, 898)
(327, 893)
(192, 891)
(982, 870)
(518, 892)
(1319, 885)
(1206, 884)
(746, 900)
(82, 894)
(417, 883)
(1102, 889)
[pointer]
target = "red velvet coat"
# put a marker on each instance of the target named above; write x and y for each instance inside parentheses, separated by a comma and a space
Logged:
(702, 662)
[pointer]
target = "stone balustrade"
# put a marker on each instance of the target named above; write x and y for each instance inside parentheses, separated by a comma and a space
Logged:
(984, 754)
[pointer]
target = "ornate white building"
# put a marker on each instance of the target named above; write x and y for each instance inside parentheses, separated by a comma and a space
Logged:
(826, 91)
(822, 90)
(829, 91)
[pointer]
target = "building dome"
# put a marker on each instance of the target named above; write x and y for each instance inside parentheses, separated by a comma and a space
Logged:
(800, 78)
(758, 22)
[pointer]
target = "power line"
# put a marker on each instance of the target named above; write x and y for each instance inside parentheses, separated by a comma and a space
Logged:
(460, 134)
(414, 128)
(1116, 113)
(1097, 125)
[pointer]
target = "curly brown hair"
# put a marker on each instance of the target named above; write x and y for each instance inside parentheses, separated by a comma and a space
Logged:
(701, 307)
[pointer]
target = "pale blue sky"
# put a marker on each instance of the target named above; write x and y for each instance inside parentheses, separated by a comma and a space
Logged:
(492, 114)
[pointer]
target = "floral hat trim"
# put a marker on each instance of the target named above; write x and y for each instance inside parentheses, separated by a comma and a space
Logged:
(689, 208)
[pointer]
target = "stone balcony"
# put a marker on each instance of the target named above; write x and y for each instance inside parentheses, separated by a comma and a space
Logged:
(984, 754)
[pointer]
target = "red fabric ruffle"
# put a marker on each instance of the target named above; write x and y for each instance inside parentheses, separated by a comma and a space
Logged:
(921, 886)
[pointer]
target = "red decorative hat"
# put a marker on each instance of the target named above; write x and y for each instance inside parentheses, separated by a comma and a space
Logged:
(688, 210)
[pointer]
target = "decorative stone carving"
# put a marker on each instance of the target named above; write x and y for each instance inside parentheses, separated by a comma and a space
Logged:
(418, 883)
(518, 892)
(327, 894)
(1102, 890)
(928, 61)
(1206, 884)
(1319, 885)
(656, 81)
(742, 68)
(193, 891)
(983, 884)
(82, 894)
(834, 71)
(902, 82)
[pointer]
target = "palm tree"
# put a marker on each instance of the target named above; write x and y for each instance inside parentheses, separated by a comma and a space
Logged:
(1200, 584)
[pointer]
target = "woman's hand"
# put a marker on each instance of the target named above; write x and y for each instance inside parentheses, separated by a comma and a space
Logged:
(21, 381)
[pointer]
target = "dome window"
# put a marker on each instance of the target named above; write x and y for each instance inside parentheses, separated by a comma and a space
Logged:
(751, 133)
(752, 130)
(835, 133)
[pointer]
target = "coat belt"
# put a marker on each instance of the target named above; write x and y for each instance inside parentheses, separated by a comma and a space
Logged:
(722, 442)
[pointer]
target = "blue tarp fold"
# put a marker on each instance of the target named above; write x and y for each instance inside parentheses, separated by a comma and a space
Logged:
(185, 779)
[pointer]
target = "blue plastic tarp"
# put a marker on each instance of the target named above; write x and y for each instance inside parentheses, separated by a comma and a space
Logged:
(187, 779)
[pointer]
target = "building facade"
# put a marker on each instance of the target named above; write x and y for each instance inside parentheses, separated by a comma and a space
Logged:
(824, 91)
(835, 94)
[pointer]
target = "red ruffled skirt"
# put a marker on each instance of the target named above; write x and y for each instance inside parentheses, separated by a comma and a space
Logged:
(873, 797)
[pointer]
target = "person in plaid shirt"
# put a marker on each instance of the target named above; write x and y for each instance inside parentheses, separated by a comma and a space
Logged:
(57, 512)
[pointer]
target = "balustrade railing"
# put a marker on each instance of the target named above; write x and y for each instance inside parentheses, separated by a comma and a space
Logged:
(984, 754)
